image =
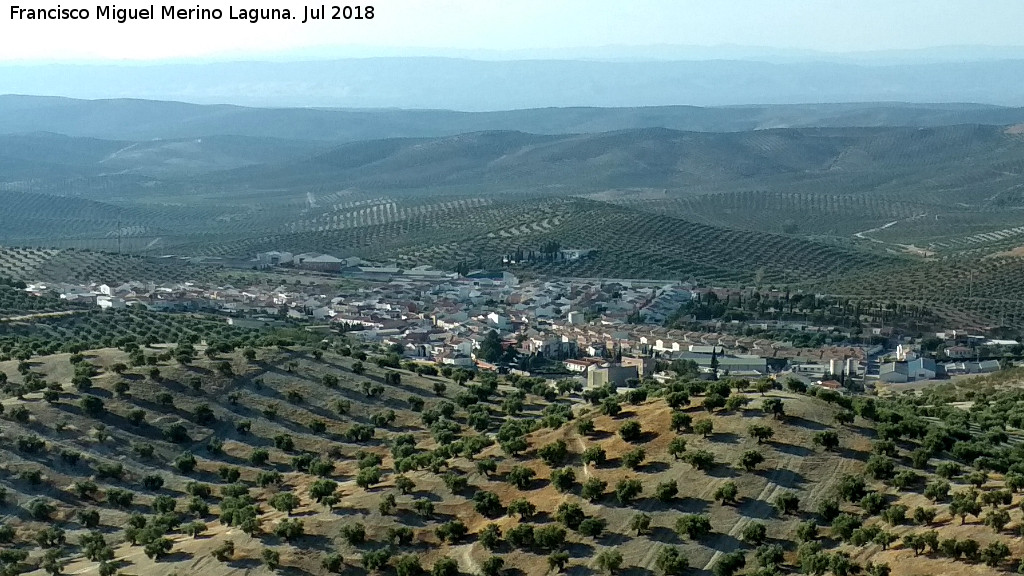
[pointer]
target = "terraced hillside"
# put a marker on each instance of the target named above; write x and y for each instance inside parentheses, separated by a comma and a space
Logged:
(313, 461)
(887, 212)
(50, 265)
(978, 292)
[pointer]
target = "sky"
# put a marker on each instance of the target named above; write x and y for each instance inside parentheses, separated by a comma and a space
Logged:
(514, 25)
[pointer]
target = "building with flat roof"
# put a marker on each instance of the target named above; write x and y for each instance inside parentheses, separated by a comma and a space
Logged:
(613, 374)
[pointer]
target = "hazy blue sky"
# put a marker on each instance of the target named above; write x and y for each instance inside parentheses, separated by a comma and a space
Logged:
(827, 25)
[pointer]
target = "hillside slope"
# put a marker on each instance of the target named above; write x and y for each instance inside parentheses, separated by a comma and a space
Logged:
(330, 464)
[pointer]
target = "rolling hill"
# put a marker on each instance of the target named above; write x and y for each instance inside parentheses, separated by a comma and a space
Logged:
(134, 119)
(218, 463)
(832, 208)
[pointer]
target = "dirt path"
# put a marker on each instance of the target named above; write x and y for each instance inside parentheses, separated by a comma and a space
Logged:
(466, 554)
(583, 446)
(38, 315)
(862, 235)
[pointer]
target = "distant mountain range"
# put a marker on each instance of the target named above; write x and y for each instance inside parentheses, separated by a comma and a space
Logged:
(477, 85)
(137, 120)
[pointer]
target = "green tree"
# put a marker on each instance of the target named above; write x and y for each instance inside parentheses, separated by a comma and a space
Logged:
(593, 489)
(409, 565)
(490, 347)
(677, 447)
(284, 502)
(827, 439)
(666, 491)
(760, 432)
(750, 459)
(609, 560)
(754, 533)
(672, 562)
(693, 526)
(787, 503)
(729, 564)
(627, 490)
(726, 493)
(704, 427)
(630, 431)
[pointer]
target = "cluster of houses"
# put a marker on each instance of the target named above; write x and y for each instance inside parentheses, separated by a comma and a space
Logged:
(576, 326)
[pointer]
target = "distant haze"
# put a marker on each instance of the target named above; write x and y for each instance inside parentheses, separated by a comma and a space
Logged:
(473, 85)
(831, 26)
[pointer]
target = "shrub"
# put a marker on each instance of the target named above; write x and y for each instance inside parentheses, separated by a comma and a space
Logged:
(521, 507)
(185, 463)
(408, 565)
(492, 566)
(158, 548)
(225, 551)
(549, 537)
(760, 432)
(704, 427)
(594, 455)
(700, 459)
(554, 454)
(640, 523)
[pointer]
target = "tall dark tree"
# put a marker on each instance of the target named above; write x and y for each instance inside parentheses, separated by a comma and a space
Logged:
(490, 348)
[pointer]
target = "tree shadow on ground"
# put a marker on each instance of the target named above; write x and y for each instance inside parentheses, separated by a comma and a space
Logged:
(852, 454)
(785, 478)
(722, 471)
(244, 564)
(690, 505)
(793, 449)
(753, 508)
(579, 550)
(725, 438)
(805, 423)
(653, 467)
(665, 536)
